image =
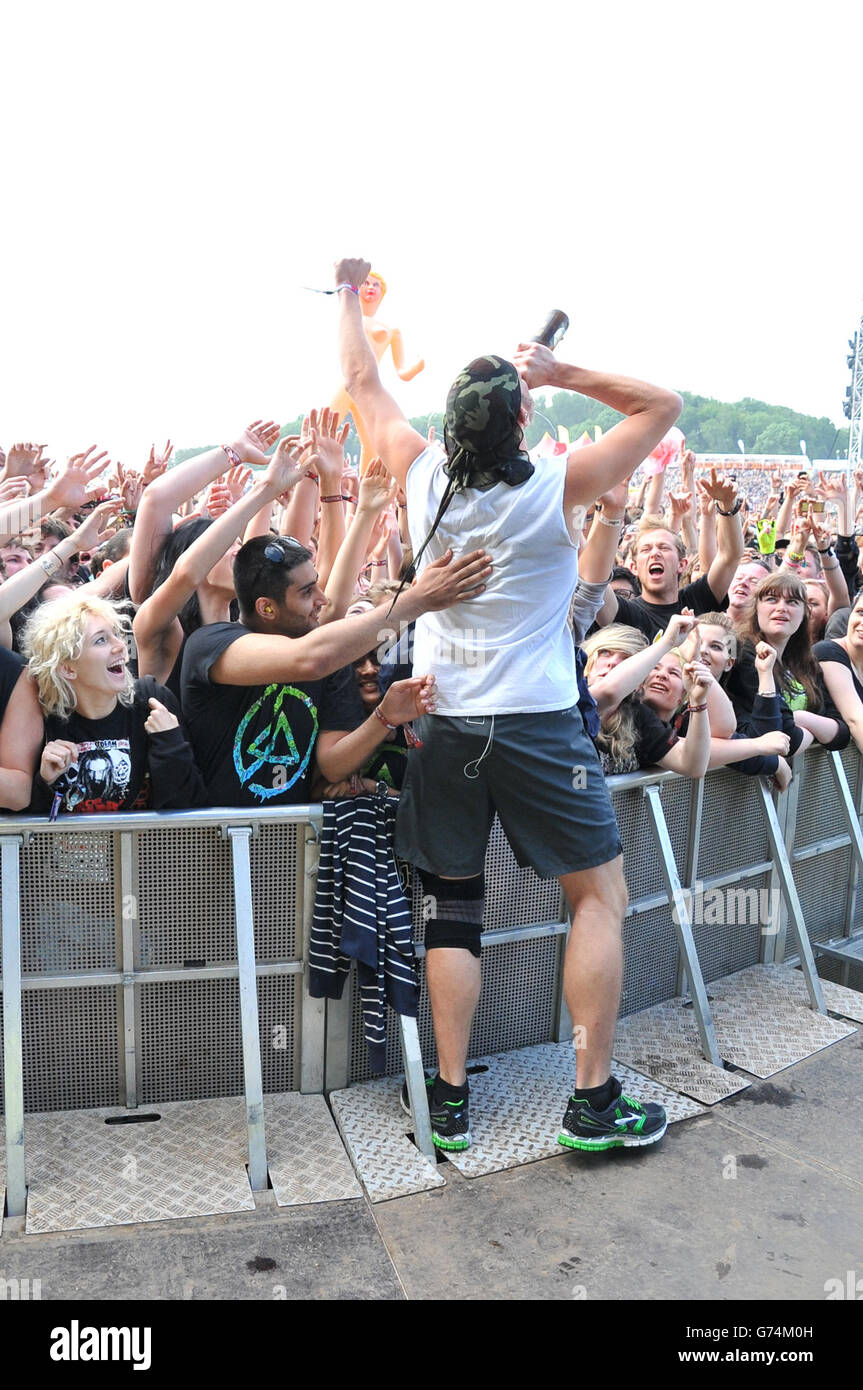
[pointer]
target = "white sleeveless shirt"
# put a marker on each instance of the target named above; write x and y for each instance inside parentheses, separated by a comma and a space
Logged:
(509, 651)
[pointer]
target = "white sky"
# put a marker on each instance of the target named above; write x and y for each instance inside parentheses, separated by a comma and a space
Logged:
(682, 178)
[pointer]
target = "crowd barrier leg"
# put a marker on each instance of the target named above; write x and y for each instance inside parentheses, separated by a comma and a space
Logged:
(126, 889)
(682, 926)
(690, 868)
(240, 838)
(314, 1015)
(417, 1093)
(792, 900)
(849, 810)
(13, 1058)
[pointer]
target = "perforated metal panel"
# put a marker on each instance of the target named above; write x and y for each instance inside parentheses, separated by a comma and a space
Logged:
(649, 960)
(726, 946)
(833, 970)
(191, 1046)
(640, 855)
(733, 827)
(822, 883)
(516, 1008)
(274, 876)
(68, 909)
(819, 814)
(186, 900)
(71, 1048)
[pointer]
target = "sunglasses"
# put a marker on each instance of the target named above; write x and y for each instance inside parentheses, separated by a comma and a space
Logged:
(275, 551)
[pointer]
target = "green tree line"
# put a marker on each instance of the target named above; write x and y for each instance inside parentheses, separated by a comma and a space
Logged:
(710, 426)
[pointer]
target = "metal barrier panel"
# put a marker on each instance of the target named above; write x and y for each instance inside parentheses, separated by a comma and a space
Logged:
(129, 957)
(129, 953)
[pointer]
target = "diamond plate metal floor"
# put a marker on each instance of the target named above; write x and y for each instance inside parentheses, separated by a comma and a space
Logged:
(306, 1158)
(839, 998)
(516, 1108)
(763, 1023)
(83, 1172)
(663, 1042)
(191, 1162)
(374, 1129)
(762, 1026)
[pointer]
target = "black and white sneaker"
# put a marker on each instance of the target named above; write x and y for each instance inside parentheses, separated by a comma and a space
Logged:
(450, 1119)
(625, 1124)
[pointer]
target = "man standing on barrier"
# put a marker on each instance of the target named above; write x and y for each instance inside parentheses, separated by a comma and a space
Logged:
(508, 736)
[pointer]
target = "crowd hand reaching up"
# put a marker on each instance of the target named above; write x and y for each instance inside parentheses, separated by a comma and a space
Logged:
(130, 485)
(447, 581)
(96, 526)
(22, 461)
(801, 530)
(160, 719)
(57, 757)
(218, 498)
(255, 442)
(687, 470)
(765, 659)
(377, 489)
(157, 463)
(720, 489)
(12, 489)
(292, 461)
(79, 481)
(680, 503)
(321, 429)
(830, 486)
(821, 533)
(407, 700)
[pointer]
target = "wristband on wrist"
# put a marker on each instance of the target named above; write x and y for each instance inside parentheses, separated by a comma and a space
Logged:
(609, 521)
(827, 551)
(233, 456)
(829, 569)
(734, 510)
(345, 286)
(696, 709)
(314, 477)
(51, 563)
(335, 497)
(347, 497)
(382, 717)
(792, 558)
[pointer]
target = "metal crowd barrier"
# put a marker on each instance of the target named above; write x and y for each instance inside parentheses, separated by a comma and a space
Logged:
(149, 958)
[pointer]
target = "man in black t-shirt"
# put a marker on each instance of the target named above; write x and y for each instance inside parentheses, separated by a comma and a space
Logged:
(271, 700)
(660, 557)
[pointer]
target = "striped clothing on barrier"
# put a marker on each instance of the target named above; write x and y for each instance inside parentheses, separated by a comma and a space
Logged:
(361, 913)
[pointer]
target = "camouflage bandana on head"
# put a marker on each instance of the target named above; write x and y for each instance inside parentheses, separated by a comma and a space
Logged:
(483, 404)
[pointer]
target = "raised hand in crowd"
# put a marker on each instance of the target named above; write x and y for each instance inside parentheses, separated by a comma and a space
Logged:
(157, 463)
(130, 485)
(78, 482)
(22, 461)
(12, 489)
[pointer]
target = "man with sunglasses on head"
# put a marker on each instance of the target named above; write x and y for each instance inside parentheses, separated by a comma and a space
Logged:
(271, 701)
(507, 734)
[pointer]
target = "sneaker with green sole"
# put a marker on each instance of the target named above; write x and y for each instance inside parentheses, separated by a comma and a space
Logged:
(625, 1124)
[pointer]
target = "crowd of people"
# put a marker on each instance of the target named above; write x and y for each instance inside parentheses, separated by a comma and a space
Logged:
(462, 624)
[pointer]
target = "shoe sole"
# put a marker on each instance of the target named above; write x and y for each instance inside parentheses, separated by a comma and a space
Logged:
(610, 1141)
(451, 1145)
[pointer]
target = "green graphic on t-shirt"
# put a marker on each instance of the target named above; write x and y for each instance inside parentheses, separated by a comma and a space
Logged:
(274, 745)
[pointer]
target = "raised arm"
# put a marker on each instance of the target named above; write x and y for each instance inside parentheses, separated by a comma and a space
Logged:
(166, 493)
(155, 619)
(629, 674)
(650, 412)
(20, 587)
(397, 442)
(377, 490)
(729, 532)
(259, 658)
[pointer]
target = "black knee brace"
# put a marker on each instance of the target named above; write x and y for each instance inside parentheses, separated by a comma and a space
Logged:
(453, 910)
